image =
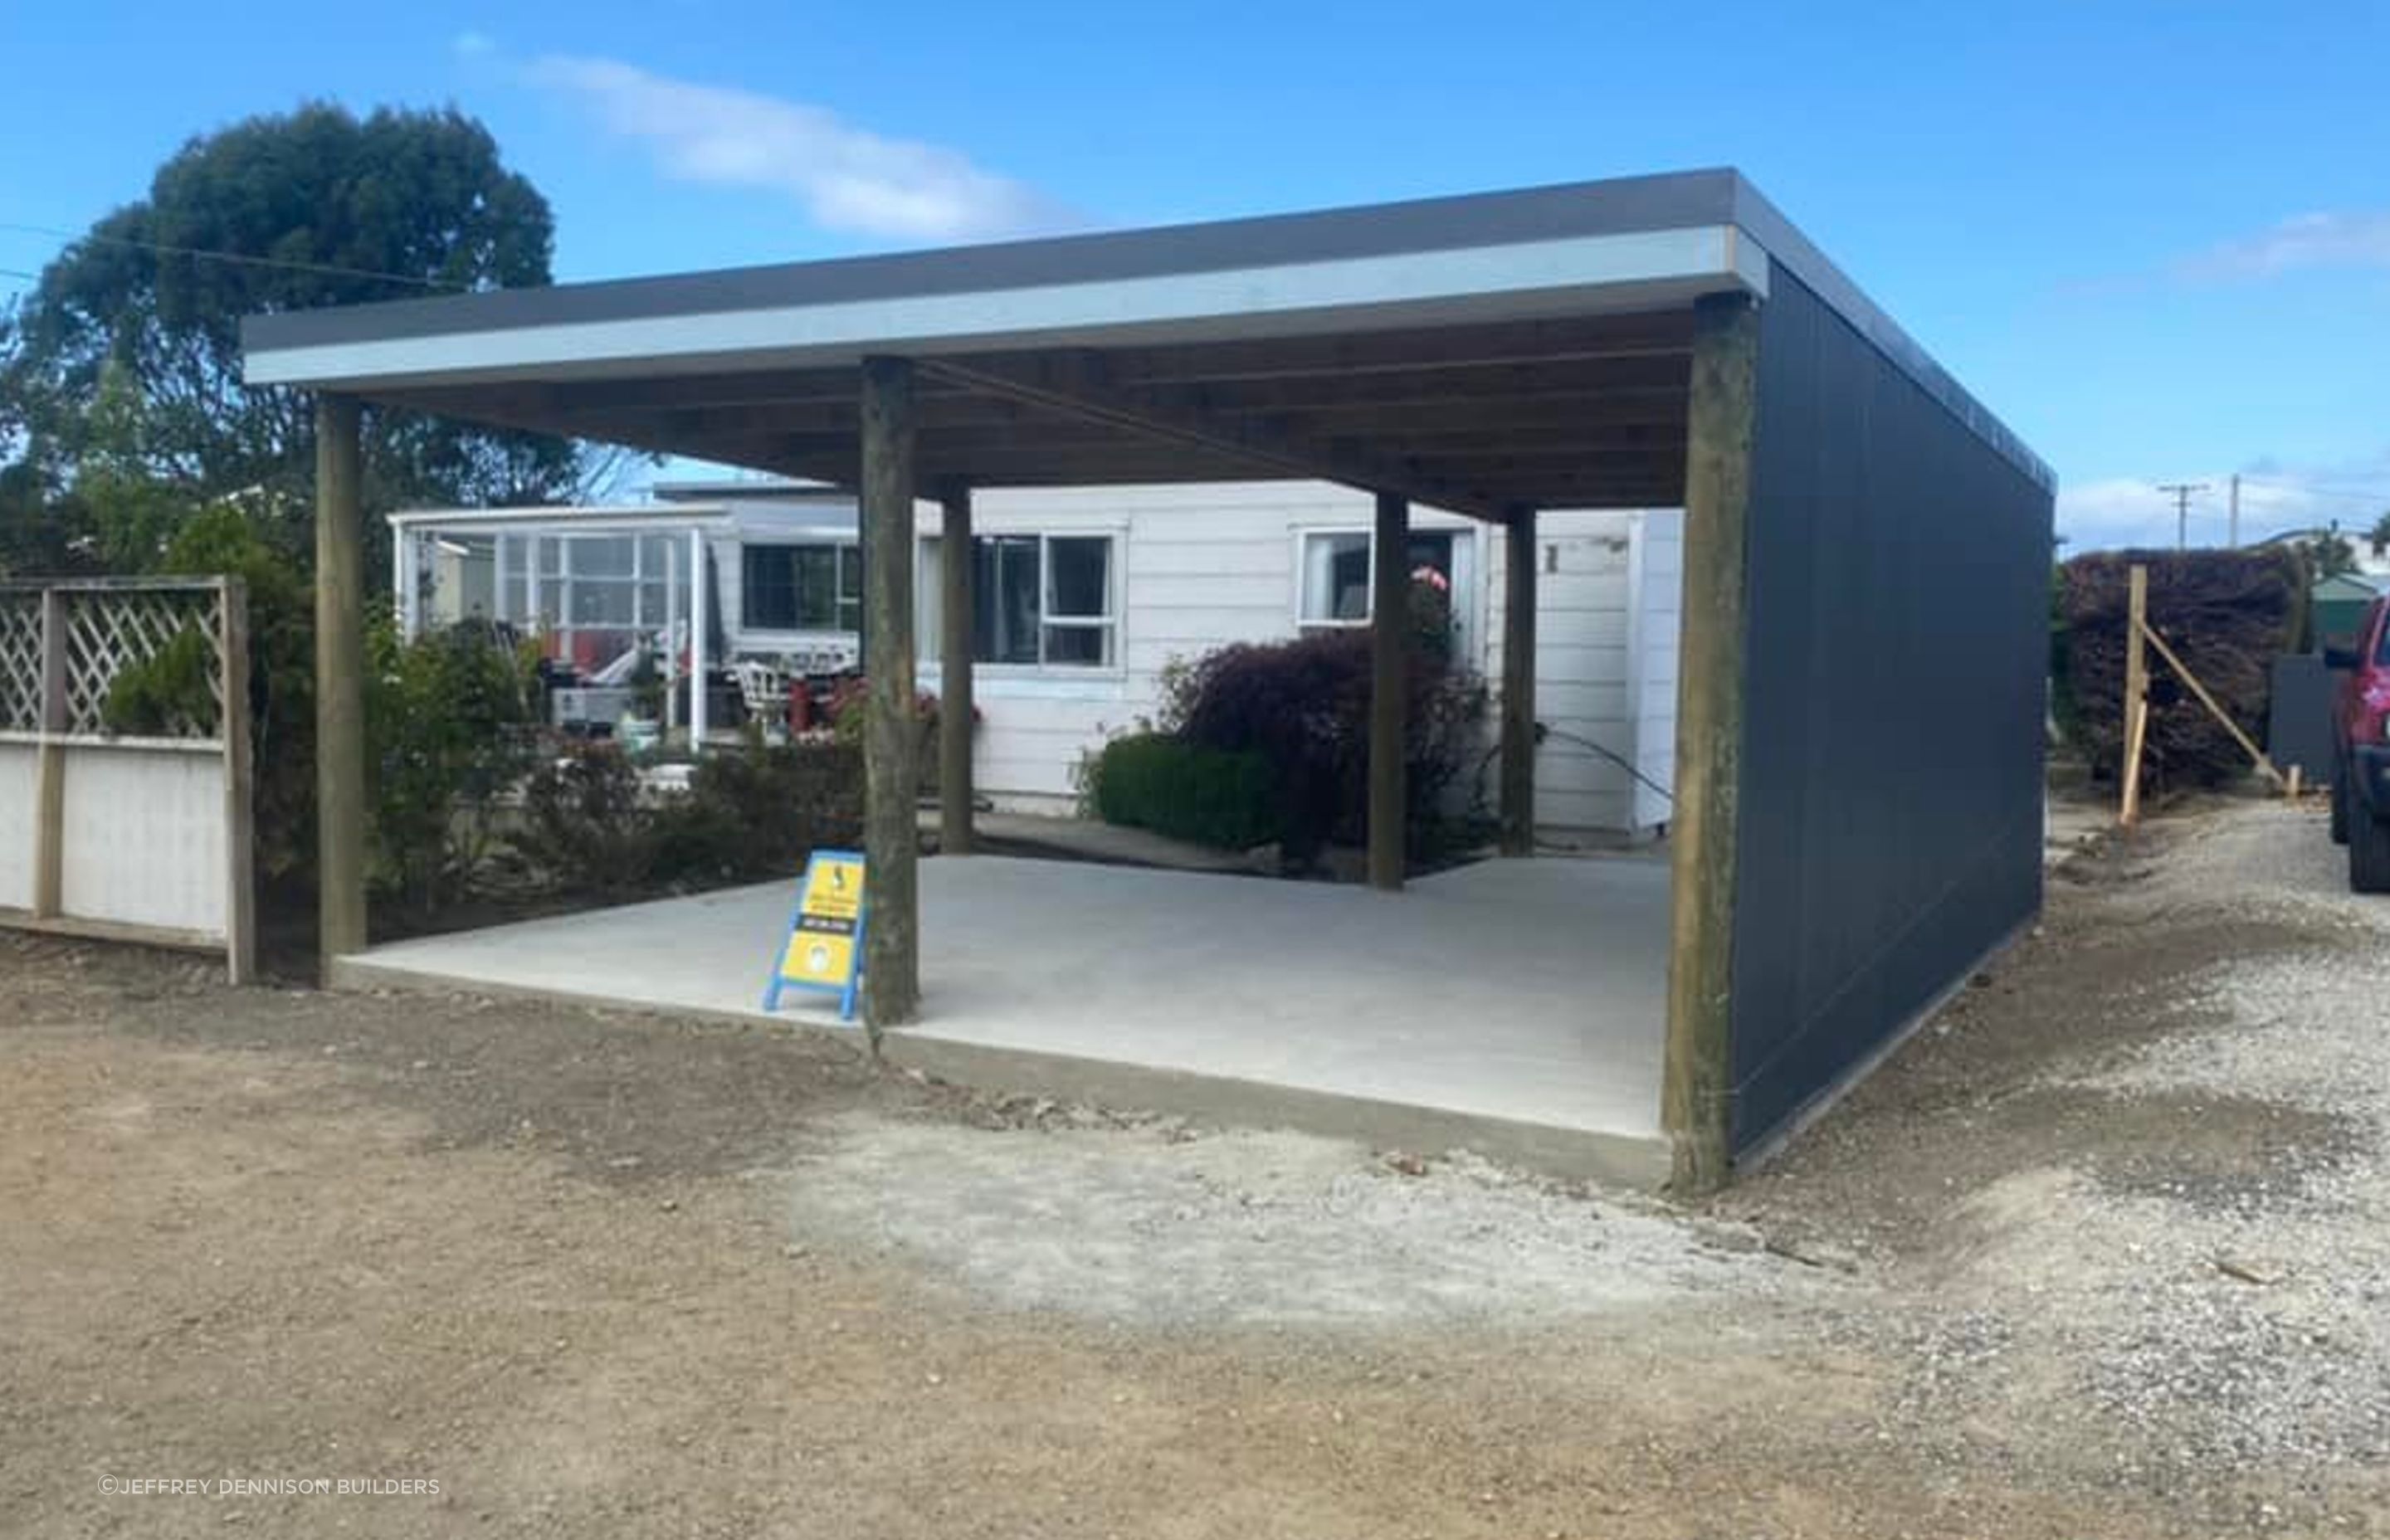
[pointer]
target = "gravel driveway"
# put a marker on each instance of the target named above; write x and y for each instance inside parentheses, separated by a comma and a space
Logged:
(2104, 1252)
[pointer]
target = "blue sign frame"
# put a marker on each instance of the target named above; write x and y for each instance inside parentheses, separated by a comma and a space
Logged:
(847, 990)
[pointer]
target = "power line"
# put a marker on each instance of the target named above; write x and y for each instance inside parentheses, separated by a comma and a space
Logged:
(2299, 490)
(322, 269)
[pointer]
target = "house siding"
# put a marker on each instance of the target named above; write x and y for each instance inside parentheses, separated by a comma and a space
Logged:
(1204, 566)
(1587, 637)
(1659, 585)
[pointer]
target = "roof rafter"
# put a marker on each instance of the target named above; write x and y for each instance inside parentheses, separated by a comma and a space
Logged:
(1078, 384)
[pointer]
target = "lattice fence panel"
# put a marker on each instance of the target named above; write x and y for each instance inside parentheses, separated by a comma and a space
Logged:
(109, 630)
(20, 663)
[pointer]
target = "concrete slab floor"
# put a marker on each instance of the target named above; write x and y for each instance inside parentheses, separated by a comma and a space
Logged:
(1531, 995)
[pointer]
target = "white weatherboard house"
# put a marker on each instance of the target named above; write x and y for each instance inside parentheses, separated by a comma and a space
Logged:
(1085, 594)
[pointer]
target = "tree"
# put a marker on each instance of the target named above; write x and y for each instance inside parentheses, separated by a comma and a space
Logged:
(124, 363)
(2328, 554)
(2378, 538)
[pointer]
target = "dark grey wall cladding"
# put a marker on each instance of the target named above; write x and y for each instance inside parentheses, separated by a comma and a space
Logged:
(1890, 827)
(2298, 720)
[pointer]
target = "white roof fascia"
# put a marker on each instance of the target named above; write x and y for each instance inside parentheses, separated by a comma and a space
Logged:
(1628, 271)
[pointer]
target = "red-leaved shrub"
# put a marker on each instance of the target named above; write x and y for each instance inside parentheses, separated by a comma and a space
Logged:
(1304, 705)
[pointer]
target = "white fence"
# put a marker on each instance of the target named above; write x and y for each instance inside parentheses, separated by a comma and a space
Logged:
(134, 837)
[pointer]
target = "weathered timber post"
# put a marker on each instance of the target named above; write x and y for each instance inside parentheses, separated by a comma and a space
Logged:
(892, 771)
(240, 820)
(50, 763)
(1697, 1075)
(955, 710)
(1389, 687)
(1518, 809)
(2137, 689)
(339, 681)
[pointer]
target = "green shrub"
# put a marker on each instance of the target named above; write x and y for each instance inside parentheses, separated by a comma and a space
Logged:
(585, 826)
(589, 824)
(758, 812)
(168, 693)
(225, 539)
(1211, 796)
(448, 728)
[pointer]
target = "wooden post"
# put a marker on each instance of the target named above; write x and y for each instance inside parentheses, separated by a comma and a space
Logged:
(892, 773)
(1388, 693)
(1697, 1075)
(1519, 686)
(956, 714)
(2137, 690)
(240, 872)
(50, 763)
(339, 681)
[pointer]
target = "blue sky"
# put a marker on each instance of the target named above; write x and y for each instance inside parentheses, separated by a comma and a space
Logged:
(2155, 238)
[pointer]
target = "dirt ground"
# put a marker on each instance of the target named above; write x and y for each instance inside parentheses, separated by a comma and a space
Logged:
(2103, 1251)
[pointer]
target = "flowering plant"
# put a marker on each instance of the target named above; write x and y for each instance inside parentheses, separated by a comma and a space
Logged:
(1432, 626)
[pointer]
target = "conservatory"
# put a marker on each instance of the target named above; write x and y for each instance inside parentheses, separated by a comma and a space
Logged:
(642, 599)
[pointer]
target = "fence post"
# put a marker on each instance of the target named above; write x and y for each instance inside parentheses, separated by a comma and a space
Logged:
(50, 763)
(240, 844)
(2137, 690)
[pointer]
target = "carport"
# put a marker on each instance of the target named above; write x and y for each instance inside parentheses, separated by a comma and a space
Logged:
(1857, 781)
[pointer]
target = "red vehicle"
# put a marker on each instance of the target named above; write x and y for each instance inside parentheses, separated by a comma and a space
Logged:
(2360, 720)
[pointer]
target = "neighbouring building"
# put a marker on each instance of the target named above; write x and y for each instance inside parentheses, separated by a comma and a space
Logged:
(1087, 595)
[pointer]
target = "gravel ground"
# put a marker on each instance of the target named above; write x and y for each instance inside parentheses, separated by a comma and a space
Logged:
(2101, 1252)
(2287, 1360)
(2161, 1261)
(1160, 1224)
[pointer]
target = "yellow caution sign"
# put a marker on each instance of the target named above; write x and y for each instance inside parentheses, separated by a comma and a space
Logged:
(824, 949)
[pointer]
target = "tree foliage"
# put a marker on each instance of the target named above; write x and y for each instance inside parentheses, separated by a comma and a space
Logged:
(2327, 554)
(449, 719)
(123, 368)
(226, 540)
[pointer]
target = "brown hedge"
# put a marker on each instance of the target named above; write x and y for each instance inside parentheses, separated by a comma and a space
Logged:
(2228, 614)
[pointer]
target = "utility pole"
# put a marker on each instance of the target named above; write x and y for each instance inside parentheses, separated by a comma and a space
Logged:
(2183, 492)
(2234, 524)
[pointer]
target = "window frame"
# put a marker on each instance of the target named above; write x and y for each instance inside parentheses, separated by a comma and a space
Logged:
(1464, 575)
(548, 573)
(846, 569)
(927, 599)
(1302, 539)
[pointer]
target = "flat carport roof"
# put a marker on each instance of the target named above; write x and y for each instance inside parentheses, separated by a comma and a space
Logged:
(1581, 346)
(1478, 353)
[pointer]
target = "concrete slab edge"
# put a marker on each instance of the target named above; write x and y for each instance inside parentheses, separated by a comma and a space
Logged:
(1549, 1150)
(1569, 1154)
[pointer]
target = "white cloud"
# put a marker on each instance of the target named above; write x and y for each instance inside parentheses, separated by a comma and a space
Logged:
(472, 45)
(2349, 238)
(2124, 511)
(847, 178)
(2127, 511)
